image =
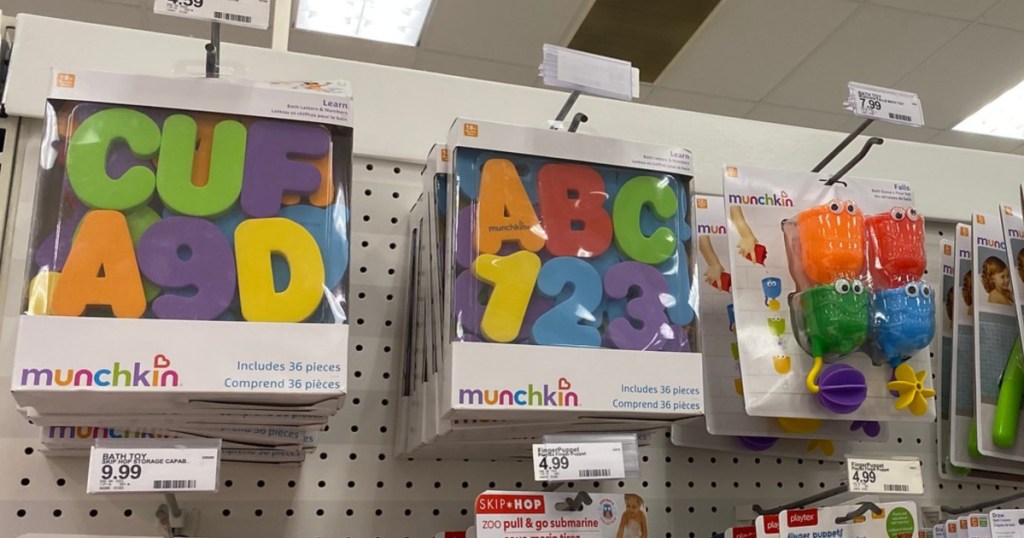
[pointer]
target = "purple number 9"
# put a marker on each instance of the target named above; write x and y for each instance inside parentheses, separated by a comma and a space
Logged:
(647, 309)
(188, 254)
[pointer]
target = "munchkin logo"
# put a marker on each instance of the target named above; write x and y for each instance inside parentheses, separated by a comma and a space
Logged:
(518, 226)
(542, 396)
(947, 269)
(767, 199)
(964, 254)
(711, 229)
(136, 375)
(1014, 233)
(991, 243)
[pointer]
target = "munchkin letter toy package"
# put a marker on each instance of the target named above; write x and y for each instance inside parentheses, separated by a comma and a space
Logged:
(190, 244)
(833, 316)
(569, 277)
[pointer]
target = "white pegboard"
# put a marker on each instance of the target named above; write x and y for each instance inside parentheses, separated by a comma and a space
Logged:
(353, 486)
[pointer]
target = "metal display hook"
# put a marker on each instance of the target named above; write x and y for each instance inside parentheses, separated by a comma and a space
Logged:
(873, 141)
(957, 510)
(576, 504)
(828, 493)
(564, 112)
(863, 509)
(213, 52)
(170, 516)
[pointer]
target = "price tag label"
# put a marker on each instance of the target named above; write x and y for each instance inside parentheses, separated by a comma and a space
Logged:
(573, 461)
(160, 465)
(890, 476)
(249, 13)
(590, 73)
(885, 104)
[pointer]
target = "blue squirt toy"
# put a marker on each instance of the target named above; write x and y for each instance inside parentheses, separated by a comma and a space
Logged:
(902, 321)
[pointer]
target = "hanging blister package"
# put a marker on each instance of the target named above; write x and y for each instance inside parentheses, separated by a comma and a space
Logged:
(194, 208)
(832, 315)
(999, 373)
(724, 410)
(889, 520)
(515, 514)
(1006, 523)
(979, 471)
(569, 276)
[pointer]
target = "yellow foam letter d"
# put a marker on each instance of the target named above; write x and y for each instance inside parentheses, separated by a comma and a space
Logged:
(255, 241)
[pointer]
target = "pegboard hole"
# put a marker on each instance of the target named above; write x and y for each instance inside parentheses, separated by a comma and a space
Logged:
(437, 512)
(260, 483)
(25, 481)
(369, 167)
(21, 512)
(397, 170)
(258, 512)
(94, 512)
(57, 513)
(395, 195)
(226, 513)
(29, 450)
(323, 455)
(378, 512)
(128, 513)
(321, 484)
(351, 483)
(319, 512)
(392, 246)
(291, 483)
(228, 483)
(289, 512)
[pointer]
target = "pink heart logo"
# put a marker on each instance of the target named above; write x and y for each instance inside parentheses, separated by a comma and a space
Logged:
(161, 362)
(563, 384)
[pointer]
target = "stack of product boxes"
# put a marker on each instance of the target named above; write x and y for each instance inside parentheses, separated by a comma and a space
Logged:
(549, 291)
(188, 264)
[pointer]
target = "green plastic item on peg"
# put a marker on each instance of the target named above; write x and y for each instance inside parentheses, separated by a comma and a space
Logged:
(87, 159)
(629, 202)
(139, 220)
(177, 159)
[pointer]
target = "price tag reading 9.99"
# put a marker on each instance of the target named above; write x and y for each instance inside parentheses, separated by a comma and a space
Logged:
(121, 472)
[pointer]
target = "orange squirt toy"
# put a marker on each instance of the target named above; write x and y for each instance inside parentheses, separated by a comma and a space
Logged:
(831, 241)
(895, 242)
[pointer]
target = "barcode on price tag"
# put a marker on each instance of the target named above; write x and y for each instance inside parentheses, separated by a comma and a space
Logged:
(250, 13)
(164, 465)
(573, 461)
(885, 104)
(894, 476)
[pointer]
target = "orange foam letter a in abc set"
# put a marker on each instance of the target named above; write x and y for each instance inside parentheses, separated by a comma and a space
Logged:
(101, 269)
(504, 212)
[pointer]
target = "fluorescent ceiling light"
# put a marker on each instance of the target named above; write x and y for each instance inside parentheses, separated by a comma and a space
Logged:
(390, 21)
(1004, 116)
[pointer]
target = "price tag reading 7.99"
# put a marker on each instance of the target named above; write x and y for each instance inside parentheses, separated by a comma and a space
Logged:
(573, 461)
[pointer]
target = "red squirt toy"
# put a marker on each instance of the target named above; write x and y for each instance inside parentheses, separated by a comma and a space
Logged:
(896, 252)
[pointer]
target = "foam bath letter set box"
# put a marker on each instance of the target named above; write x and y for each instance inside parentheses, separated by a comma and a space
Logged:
(568, 277)
(190, 242)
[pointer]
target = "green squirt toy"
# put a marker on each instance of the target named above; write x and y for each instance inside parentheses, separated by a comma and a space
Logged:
(832, 321)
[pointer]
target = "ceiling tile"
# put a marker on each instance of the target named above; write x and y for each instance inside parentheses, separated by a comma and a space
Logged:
(957, 9)
(975, 141)
(965, 75)
(1007, 14)
(94, 11)
(351, 48)
(797, 116)
(509, 32)
(885, 129)
(698, 102)
(875, 45)
(475, 68)
(746, 48)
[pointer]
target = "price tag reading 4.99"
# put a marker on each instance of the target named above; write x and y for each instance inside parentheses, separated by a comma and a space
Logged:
(890, 476)
(162, 469)
(573, 461)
